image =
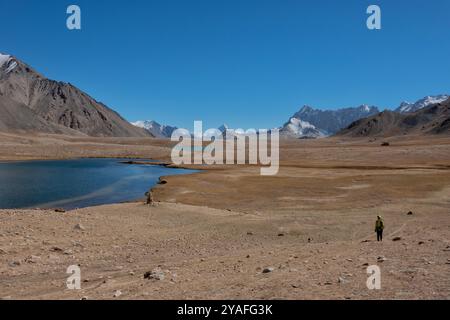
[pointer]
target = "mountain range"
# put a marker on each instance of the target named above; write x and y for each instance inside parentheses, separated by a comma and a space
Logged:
(155, 129)
(32, 103)
(406, 107)
(431, 119)
(310, 122)
(29, 102)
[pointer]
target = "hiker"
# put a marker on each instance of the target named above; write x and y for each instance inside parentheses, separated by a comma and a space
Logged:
(150, 200)
(379, 227)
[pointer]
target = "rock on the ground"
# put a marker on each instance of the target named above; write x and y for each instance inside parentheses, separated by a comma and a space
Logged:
(117, 294)
(268, 270)
(155, 274)
(80, 227)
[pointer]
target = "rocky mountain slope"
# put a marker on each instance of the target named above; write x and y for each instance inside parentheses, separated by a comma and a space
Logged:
(37, 104)
(434, 119)
(18, 116)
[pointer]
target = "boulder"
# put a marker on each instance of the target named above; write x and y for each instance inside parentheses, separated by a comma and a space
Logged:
(268, 270)
(155, 274)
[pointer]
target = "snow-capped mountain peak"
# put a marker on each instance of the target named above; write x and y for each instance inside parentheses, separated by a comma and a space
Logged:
(326, 122)
(301, 129)
(406, 107)
(7, 62)
(157, 130)
(146, 124)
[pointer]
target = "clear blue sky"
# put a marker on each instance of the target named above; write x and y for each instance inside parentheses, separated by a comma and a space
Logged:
(249, 63)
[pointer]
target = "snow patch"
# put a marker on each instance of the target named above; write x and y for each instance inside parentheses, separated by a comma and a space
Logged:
(302, 129)
(4, 59)
(8, 61)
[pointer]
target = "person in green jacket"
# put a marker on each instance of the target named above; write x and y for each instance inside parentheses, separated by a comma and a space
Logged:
(379, 227)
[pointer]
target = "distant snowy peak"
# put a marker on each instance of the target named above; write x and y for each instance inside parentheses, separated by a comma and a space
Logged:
(329, 122)
(406, 107)
(7, 63)
(297, 128)
(157, 130)
(147, 124)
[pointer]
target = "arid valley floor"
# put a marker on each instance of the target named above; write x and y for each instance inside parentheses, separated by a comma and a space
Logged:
(211, 234)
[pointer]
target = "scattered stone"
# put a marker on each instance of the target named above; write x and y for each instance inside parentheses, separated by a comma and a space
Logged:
(365, 264)
(60, 210)
(410, 213)
(2, 251)
(79, 226)
(328, 283)
(56, 249)
(13, 264)
(155, 274)
(281, 234)
(381, 259)
(84, 298)
(268, 270)
(350, 260)
(117, 294)
(421, 243)
(248, 256)
(249, 233)
(385, 144)
(397, 239)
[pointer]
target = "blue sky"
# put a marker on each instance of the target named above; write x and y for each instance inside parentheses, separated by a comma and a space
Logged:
(249, 63)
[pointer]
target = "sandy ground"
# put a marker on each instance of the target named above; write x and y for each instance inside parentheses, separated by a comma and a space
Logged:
(211, 234)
